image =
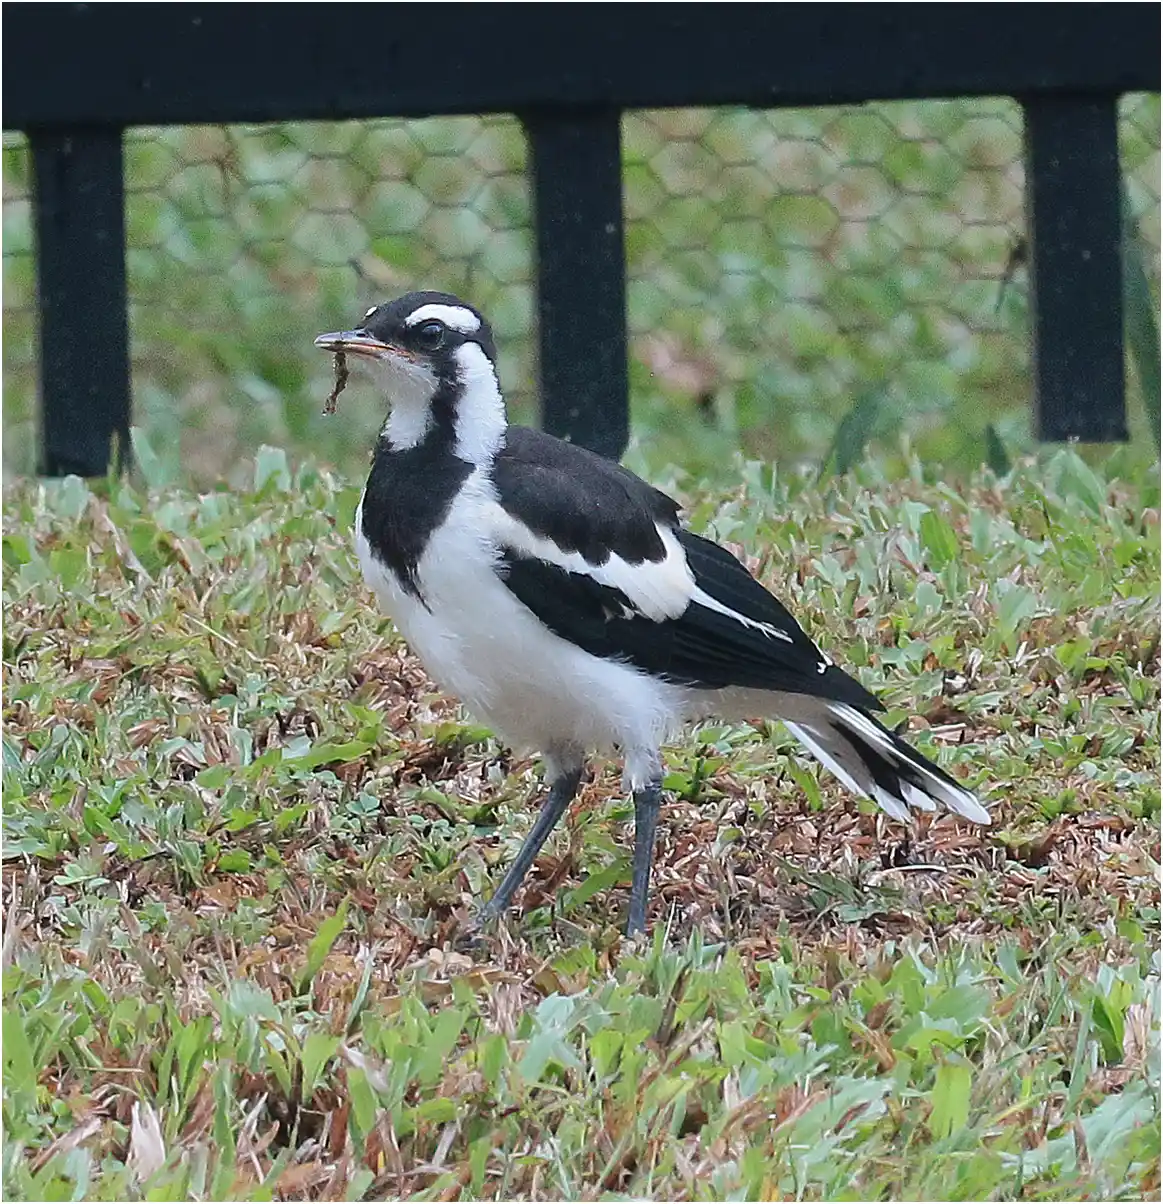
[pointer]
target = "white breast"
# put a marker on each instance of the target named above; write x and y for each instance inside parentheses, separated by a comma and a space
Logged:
(534, 689)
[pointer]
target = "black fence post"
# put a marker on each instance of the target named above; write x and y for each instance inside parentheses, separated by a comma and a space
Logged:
(1073, 211)
(581, 272)
(79, 202)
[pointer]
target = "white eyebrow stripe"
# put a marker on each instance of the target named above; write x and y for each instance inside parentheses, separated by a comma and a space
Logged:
(370, 312)
(456, 317)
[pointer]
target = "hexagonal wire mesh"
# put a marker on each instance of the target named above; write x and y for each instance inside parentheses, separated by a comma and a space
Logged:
(782, 265)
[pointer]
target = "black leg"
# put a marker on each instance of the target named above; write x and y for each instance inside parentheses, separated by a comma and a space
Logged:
(646, 804)
(560, 795)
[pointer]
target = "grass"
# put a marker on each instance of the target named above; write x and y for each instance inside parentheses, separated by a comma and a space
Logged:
(242, 830)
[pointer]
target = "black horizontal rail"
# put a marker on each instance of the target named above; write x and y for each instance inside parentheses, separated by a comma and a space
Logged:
(156, 64)
(75, 76)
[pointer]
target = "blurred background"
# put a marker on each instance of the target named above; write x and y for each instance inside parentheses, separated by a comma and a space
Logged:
(804, 285)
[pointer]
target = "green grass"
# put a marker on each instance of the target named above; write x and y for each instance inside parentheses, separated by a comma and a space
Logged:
(242, 832)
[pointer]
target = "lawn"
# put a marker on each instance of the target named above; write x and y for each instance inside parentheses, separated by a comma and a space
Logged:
(242, 833)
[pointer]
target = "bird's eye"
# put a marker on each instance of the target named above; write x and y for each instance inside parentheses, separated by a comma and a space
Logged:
(430, 335)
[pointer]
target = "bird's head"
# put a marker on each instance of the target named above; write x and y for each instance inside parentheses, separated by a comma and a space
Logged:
(434, 358)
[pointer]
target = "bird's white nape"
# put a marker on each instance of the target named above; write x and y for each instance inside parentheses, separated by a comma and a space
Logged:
(480, 419)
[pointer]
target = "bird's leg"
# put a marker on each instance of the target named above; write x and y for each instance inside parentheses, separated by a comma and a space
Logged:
(560, 795)
(647, 801)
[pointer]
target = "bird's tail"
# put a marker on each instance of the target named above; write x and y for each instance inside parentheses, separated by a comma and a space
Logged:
(878, 764)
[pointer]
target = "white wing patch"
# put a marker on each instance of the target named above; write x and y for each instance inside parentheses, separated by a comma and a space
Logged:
(658, 589)
(455, 317)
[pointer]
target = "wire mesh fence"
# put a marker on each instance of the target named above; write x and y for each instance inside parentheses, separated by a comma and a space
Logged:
(785, 267)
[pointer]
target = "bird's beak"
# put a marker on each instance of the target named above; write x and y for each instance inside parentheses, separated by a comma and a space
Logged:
(355, 342)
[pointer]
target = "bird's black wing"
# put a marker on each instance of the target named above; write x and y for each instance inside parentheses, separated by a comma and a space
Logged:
(750, 656)
(703, 647)
(581, 501)
(606, 579)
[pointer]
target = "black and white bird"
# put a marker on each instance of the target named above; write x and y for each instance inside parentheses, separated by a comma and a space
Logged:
(560, 598)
